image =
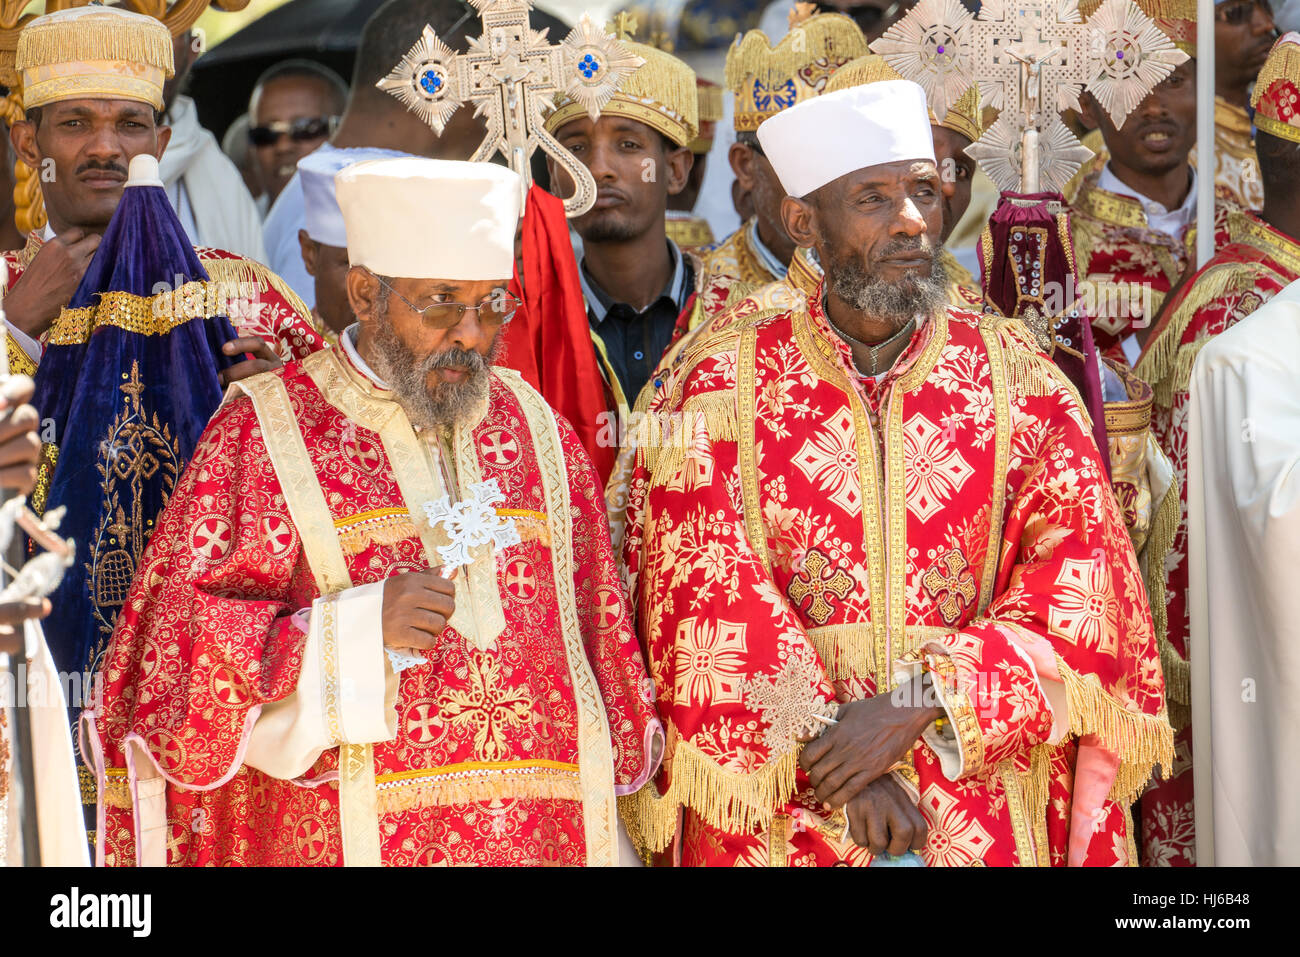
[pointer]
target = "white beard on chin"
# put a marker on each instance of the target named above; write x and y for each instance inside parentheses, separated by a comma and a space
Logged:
(895, 302)
(446, 404)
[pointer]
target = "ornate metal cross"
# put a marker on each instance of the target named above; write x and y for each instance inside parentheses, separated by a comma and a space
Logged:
(511, 75)
(790, 703)
(1031, 59)
(471, 522)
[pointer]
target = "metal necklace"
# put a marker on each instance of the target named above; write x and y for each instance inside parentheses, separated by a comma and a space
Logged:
(876, 348)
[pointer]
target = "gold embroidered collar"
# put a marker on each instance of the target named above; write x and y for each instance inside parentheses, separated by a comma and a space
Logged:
(1249, 230)
(1109, 207)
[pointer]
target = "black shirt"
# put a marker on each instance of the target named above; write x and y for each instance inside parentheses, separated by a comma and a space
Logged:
(636, 341)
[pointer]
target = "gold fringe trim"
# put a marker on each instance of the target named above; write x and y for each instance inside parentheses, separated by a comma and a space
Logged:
(1164, 361)
(1142, 740)
(49, 42)
(243, 271)
(1178, 685)
(821, 44)
(442, 790)
(388, 530)
(847, 651)
(1160, 539)
(729, 801)
(533, 530)
(668, 437)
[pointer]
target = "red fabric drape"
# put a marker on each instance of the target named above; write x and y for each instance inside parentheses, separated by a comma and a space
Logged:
(549, 341)
(1027, 256)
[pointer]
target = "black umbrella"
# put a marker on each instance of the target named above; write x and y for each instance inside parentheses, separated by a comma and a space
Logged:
(326, 31)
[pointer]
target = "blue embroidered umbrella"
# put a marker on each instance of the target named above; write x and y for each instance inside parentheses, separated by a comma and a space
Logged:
(129, 378)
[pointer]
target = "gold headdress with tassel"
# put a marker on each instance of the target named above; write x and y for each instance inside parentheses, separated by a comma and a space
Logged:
(660, 93)
(101, 53)
(767, 79)
(1278, 90)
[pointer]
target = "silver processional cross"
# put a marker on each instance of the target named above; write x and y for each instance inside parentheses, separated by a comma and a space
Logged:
(511, 75)
(1031, 59)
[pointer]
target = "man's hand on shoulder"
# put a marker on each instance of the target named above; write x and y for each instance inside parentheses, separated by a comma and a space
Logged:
(417, 607)
(47, 284)
(264, 358)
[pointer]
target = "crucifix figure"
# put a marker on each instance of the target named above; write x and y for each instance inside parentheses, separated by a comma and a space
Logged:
(511, 75)
(1031, 60)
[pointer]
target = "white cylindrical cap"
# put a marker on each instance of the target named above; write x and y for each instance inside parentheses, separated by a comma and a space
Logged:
(143, 171)
(819, 140)
(416, 218)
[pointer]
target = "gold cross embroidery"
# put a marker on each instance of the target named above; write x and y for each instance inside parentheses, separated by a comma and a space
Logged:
(811, 581)
(957, 587)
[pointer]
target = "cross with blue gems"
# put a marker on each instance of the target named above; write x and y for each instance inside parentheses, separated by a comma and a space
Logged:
(1031, 59)
(512, 75)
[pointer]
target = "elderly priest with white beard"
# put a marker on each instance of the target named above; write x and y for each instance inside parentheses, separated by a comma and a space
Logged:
(380, 621)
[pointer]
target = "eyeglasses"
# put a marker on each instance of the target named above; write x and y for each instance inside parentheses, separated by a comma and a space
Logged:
(302, 130)
(1239, 13)
(497, 309)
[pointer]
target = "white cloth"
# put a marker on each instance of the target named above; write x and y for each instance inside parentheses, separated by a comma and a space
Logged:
(206, 189)
(1243, 519)
(292, 733)
(286, 216)
(322, 217)
(819, 140)
(1171, 222)
(61, 827)
(431, 219)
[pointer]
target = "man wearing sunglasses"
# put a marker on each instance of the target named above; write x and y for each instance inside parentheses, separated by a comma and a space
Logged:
(464, 587)
(293, 109)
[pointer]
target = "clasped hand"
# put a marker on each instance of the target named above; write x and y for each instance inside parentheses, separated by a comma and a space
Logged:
(849, 763)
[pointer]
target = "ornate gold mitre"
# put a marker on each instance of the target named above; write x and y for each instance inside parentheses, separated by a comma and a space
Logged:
(661, 94)
(766, 80)
(1276, 99)
(965, 117)
(100, 53)
(1177, 18)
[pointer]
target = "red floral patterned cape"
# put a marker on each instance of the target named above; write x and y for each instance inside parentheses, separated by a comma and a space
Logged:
(1254, 265)
(270, 309)
(498, 743)
(793, 533)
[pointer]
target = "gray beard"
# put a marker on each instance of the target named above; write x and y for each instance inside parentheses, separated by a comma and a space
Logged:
(894, 302)
(446, 404)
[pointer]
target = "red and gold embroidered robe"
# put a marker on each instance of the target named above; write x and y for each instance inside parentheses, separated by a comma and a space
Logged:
(793, 537)
(262, 304)
(1256, 264)
(1128, 267)
(504, 746)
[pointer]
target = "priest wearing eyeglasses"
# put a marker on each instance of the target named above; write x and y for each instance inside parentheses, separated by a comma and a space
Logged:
(380, 620)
